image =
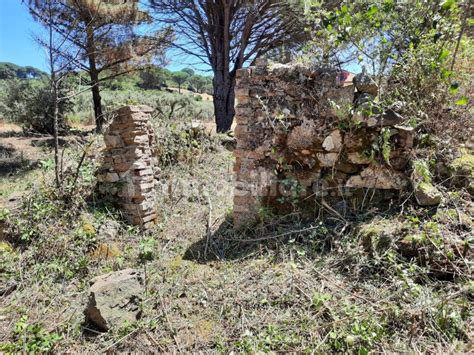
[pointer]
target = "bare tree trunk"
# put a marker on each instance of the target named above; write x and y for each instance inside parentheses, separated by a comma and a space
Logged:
(56, 133)
(94, 76)
(224, 78)
(97, 101)
(54, 97)
(224, 99)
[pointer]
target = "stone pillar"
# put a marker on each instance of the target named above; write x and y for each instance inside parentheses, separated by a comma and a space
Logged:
(245, 204)
(127, 174)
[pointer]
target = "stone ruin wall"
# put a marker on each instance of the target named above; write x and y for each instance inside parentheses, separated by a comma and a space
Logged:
(305, 139)
(129, 166)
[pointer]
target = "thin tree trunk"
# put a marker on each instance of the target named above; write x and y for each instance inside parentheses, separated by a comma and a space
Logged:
(56, 134)
(54, 98)
(94, 76)
(97, 101)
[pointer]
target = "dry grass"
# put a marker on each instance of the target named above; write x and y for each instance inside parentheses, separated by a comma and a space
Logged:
(305, 286)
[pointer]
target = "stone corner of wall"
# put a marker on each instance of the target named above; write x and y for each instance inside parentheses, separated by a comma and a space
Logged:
(289, 128)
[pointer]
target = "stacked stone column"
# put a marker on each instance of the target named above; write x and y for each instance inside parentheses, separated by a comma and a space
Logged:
(130, 164)
(245, 202)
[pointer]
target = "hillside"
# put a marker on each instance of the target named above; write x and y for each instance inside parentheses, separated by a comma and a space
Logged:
(287, 284)
(10, 71)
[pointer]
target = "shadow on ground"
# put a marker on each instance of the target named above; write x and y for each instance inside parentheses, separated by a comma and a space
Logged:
(71, 131)
(8, 134)
(314, 237)
(14, 163)
(229, 244)
(48, 143)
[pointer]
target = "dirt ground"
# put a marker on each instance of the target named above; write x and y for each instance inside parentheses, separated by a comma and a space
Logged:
(20, 157)
(211, 289)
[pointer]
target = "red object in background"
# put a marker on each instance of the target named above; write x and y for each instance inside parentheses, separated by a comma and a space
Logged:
(345, 78)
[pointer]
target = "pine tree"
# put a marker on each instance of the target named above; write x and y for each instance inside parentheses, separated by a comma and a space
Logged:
(102, 39)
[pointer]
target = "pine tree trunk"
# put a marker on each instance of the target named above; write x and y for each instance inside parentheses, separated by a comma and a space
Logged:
(94, 76)
(224, 99)
(97, 101)
(224, 77)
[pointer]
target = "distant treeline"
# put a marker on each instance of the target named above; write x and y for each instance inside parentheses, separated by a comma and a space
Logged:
(150, 78)
(12, 71)
(154, 77)
(25, 93)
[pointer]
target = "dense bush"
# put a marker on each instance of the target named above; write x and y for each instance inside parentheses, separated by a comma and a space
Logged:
(409, 47)
(154, 78)
(29, 103)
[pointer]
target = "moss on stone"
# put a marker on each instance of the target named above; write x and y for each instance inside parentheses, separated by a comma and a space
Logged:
(427, 195)
(417, 239)
(463, 168)
(379, 235)
(464, 163)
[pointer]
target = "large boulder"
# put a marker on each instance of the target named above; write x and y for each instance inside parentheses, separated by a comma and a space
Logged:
(114, 298)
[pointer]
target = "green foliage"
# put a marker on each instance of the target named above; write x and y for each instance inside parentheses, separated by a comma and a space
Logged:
(147, 249)
(123, 82)
(421, 171)
(31, 338)
(197, 82)
(188, 71)
(13, 71)
(291, 190)
(182, 108)
(156, 99)
(29, 103)
(181, 142)
(154, 78)
(25, 101)
(408, 46)
(381, 147)
(180, 78)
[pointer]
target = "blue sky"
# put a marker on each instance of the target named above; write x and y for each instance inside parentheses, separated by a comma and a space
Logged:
(17, 44)
(16, 36)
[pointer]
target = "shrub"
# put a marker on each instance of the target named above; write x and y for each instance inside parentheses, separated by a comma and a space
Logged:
(409, 48)
(28, 102)
(181, 142)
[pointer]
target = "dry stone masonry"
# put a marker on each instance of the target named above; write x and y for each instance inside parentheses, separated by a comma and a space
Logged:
(307, 138)
(130, 165)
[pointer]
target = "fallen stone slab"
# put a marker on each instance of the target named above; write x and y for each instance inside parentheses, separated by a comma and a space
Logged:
(114, 298)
